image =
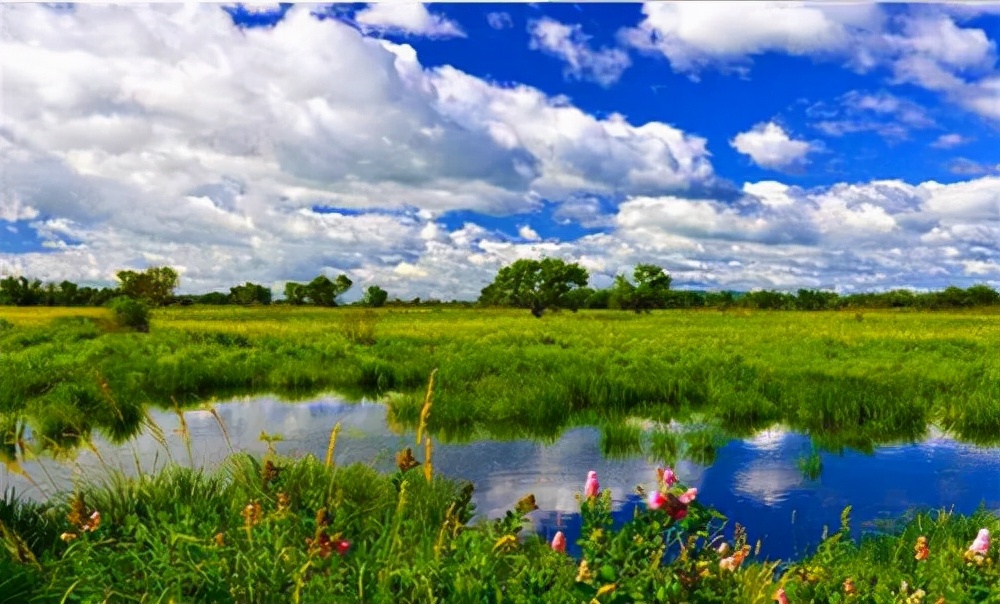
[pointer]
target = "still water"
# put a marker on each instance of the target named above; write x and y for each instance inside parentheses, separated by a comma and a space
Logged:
(755, 482)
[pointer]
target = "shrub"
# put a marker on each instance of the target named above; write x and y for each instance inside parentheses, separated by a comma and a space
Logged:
(130, 313)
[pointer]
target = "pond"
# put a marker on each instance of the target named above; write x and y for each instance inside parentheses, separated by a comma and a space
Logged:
(756, 482)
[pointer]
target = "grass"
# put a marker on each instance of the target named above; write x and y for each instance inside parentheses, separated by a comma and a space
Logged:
(300, 530)
(847, 383)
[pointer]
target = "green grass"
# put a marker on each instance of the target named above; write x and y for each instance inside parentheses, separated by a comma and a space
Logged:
(504, 374)
(183, 535)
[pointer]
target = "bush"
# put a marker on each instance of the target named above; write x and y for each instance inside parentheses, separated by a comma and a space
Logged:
(130, 313)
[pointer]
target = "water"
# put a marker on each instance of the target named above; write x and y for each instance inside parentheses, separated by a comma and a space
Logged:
(755, 482)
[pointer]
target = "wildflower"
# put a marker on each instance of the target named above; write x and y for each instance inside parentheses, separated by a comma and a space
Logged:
(252, 514)
(559, 542)
(283, 502)
(507, 542)
(657, 500)
(405, 460)
(342, 546)
(67, 537)
(780, 596)
(921, 549)
(982, 543)
(584, 575)
(606, 589)
(526, 505)
(666, 476)
(731, 563)
(592, 486)
(679, 514)
(917, 597)
(849, 587)
(688, 496)
(92, 523)
(219, 539)
(723, 549)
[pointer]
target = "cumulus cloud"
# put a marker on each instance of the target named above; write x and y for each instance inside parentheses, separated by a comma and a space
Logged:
(527, 233)
(411, 18)
(499, 20)
(569, 43)
(769, 146)
(924, 45)
(164, 134)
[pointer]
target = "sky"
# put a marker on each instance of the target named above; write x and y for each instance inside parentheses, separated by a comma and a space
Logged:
(739, 145)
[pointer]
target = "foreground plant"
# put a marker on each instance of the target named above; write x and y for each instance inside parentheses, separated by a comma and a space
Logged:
(315, 532)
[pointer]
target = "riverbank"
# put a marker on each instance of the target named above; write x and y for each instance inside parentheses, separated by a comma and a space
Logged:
(281, 529)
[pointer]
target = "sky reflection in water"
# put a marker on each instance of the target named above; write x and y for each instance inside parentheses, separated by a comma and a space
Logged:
(755, 482)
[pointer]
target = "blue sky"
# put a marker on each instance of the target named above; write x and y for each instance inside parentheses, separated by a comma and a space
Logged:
(423, 146)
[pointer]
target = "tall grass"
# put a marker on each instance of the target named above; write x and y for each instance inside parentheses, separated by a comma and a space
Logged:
(502, 373)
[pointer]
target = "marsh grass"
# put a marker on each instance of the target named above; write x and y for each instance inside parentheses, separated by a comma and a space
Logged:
(282, 529)
(68, 372)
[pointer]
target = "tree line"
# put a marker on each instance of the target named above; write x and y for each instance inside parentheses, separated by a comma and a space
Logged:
(155, 286)
(536, 285)
(553, 284)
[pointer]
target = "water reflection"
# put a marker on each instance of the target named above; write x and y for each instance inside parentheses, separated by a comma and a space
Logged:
(755, 481)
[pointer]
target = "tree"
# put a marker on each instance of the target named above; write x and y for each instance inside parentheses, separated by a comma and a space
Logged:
(295, 293)
(19, 291)
(535, 285)
(375, 297)
(155, 284)
(249, 293)
(651, 289)
(321, 291)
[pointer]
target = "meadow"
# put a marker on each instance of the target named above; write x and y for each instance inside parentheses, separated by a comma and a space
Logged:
(305, 530)
(845, 378)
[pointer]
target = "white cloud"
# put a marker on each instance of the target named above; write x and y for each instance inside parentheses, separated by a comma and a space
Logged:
(499, 20)
(947, 141)
(527, 233)
(569, 43)
(164, 134)
(769, 146)
(697, 35)
(407, 18)
(923, 45)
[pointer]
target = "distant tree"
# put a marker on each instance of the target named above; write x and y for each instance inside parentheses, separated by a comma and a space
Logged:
(535, 284)
(19, 291)
(598, 299)
(155, 285)
(295, 293)
(723, 299)
(650, 290)
(375, 297)
(982, 295)
(249, 293)
(321, 291)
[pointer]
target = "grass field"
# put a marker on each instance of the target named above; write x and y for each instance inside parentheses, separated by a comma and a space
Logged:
(847, 379)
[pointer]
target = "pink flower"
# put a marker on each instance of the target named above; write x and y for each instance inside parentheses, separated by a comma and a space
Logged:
(688, 496)
(679, 514)
(668, 477)
(342, 546)
(781, 597)
(559, 543)
(657, 500)
(982, 543)
(592, 487)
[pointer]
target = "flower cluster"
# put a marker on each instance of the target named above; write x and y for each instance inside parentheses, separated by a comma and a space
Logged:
(80, 519)
(672, 500)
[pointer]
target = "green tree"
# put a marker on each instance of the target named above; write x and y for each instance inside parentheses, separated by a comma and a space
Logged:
(155, 285)
(295, 293)
(375, 297)
(321, 291)
(19, 291)
(651, 289)
(249, 293)
(535, 284)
